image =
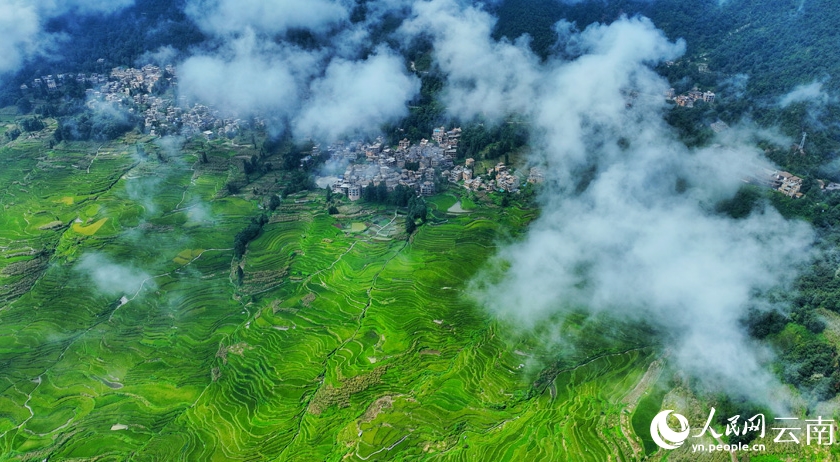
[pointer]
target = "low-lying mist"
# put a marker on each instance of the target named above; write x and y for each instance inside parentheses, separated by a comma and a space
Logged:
(628, 226)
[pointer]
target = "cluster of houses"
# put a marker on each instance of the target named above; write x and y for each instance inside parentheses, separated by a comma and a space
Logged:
(784, 182)
(415, 167)
(447, 140)
(52, 83)
(790, 184)
(499, 178)
(144, 79)
(135, 91)
(162, 117)
(689, 98)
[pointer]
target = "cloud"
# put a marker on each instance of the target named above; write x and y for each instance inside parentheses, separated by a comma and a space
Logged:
(616, 234)
(199, 213)
(808, 93)
(162, 56)
(735, 86)
(22, 23)
(248, 76)
(144, 190)
(486, 77)
(325, 91)
(353, 95)
(110, 277)
(816, 100)
(231, 17)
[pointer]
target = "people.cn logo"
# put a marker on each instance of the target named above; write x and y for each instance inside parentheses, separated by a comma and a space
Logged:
(663, 435)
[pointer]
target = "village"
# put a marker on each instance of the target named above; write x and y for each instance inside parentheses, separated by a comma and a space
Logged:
(142, 92)
(415, 166)
(135, 91)
(418, 167)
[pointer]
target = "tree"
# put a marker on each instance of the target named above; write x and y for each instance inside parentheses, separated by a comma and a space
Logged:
(417, 209)
(32, 124)
(410, 225)
(240, 242)
(13, 134)
(24, 106)
(761, 324)
(381, 192)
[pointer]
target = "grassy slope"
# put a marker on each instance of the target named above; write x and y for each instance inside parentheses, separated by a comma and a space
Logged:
(337, 345)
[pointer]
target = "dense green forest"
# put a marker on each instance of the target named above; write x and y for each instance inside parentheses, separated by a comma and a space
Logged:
(119, 39)
(737, 42)
(738, 36)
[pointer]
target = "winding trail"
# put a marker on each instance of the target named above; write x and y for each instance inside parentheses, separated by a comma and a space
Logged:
(388, 448)
(94, 158)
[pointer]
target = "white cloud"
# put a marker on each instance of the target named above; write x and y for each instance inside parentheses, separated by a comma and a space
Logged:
(248, 76)
(224, 17)
(162, 56)
(326, 92)
(356, 96)
(626, 242)
(811, 93)
(22, 24)
(110, 277)
(486, 77)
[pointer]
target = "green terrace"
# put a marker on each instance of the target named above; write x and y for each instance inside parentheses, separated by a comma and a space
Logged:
(129, 330)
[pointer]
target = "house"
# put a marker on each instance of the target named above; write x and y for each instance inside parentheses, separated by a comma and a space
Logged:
(437, 134)
(427, 188)
(790, 184)
(536, 176)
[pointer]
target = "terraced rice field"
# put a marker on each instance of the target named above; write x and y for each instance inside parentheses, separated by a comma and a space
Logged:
(128, 337)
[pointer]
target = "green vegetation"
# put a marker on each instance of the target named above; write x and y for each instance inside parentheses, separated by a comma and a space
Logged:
(750, 52)
(322, 337)
(481, 142)
(649, 405)
(144, 26)
(208, 305)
